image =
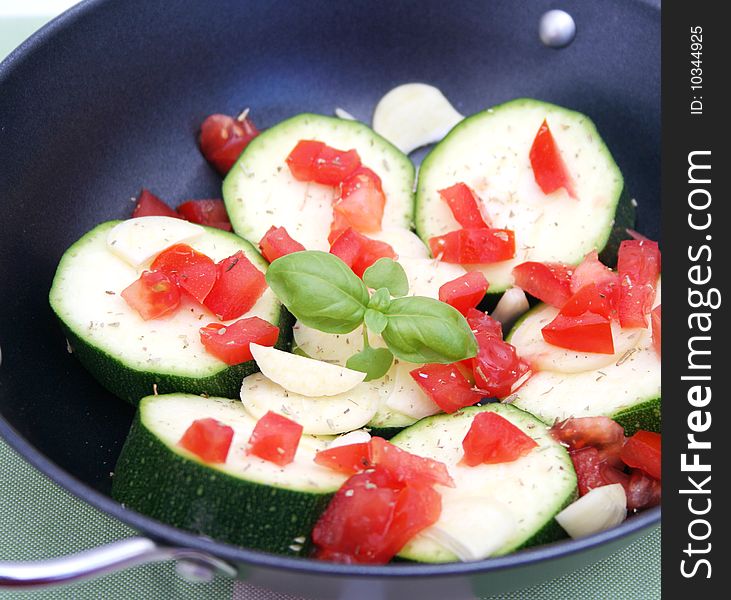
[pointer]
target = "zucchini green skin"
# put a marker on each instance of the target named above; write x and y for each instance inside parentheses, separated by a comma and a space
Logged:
(624, 218)
(153, 480)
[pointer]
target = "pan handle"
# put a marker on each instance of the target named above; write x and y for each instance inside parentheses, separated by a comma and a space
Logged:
(192, 565)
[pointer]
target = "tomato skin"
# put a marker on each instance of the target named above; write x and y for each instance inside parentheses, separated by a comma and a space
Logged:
(586, 333)
(277, 243)
(208, 439)
(591, 270)
(492, 439)
(657, 329)
(361, 201)
(638, 265)
(474, 246)
(464, 205)
(643, 451)
(275, 438)
(465, 292)
(238, 286)
(549, 282)
(232, 343)
(549, 169)
(210, 212)
(315, 161)
(350, 459)
(149, 205)
(602, 433)
(222, 139)
(483, 324)
(446, 386)
(153, 295)
(593, 470)
(358, 251)
(642, 490)
(191, 270)
(587, 299)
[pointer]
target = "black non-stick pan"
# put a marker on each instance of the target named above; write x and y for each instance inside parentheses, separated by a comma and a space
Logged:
(108, 98)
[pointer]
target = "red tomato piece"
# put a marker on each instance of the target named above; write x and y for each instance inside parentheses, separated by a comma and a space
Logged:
(493, 439)
(406, 467)
(337, 227)
(643, 451)
(149, 205)
(208, 439)
(549, 169)
(210, 212)
(638, 265)
(223, 139)
(642, 490)
(474, 246)
(417, 507)
(657, 329)
(497, 366)
(349, 459)
(549, 282)
(239, 285)
(277, 243)
(593, 470)
(232, 343)
(193, 271)
(358, 251)
(483, 324)
(586, 333)
(446, 386)
(153, 295)
(275, 438)
(602, 433)
(464, 205)
(361, 201)
(587, 300)
(591, 270)
(465, 292)
(315, 161)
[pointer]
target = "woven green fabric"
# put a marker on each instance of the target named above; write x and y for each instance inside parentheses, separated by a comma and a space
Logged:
(40, 520)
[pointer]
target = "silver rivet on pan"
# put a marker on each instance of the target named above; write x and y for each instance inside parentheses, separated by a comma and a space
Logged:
(557, 29)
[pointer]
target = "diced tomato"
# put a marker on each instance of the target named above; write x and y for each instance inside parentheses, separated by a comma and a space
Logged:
(587, 300)
(657, 329)
(275, 438)
(372, 517)
(446, 386)
(593, 470)
(191, 270)
(277, 243)
(337, 227)
(208, 439)
(638, 265)
(315, 161)
(474, 246)
(349, 459)
(464, 205)
(642, 490)
(483, 324)
(406, 467)
(586, 333)
(493, 439)
(149, 205)
(361, 201)
(549, 282)
(153, 295)
(549, 169)
(238, 286)
(208, 212)
(223, 139)
(465, 292)
(358, 251)
(231, 343)
(497, 366)
(591, 270)
(602, 433)
(643, 451)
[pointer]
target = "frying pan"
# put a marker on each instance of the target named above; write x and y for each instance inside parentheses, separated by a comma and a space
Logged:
(107, 99)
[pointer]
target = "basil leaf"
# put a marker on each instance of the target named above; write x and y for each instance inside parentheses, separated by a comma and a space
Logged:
(380, 300)
(385, 273)
(424, 330)
(320, 290)
(375, 321)
(375, 362)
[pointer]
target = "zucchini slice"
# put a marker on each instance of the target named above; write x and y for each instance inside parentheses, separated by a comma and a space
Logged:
(246, 501)
(496, 508)
(130, 356)
(260, 191)
(489, 151)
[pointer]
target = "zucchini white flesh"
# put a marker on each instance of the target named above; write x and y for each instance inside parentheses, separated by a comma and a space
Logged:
(302, 375)
(427, 275)
(246, 500)
(141, 239)
(599, 509)
(128, 354)
(530, 491)
(405, 243)
(335, 348)
(325, 415)
(626, 389)
(260, 192)
(489, 152)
